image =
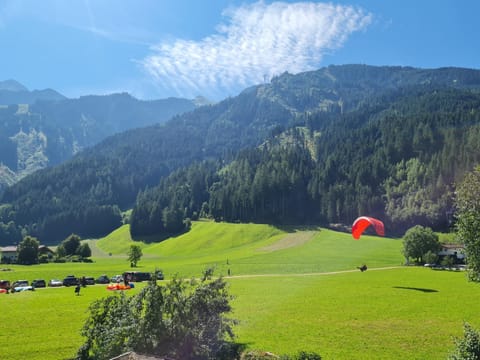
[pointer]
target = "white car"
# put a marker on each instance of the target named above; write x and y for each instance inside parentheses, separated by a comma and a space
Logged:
(55, 283)
(116, 279)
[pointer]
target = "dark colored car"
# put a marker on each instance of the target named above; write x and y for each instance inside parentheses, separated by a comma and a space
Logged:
(70, 280)
(88, 280)
(137, 276)
(4, 284)
(102, 279)
(39, 283)
(20, 283)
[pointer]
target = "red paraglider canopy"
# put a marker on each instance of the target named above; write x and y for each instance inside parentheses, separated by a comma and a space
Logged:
(361, 223)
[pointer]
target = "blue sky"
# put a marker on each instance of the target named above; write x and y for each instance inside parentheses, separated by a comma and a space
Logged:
(161, 48)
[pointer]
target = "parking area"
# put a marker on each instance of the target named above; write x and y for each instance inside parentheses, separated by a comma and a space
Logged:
(7, 286)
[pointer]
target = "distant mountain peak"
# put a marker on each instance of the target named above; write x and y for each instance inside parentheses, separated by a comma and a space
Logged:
(12, 85)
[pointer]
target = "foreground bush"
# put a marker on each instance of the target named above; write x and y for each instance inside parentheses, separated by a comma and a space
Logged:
(467, 348)
(182, 319)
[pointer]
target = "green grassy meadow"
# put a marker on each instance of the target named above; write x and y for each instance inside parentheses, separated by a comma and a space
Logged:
(294, 289)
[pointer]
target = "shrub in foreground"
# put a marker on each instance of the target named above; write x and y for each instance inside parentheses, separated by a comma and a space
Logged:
(183, 319)
(467, 348)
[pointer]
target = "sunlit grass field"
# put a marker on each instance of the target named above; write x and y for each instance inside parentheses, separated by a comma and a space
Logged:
(294, 289)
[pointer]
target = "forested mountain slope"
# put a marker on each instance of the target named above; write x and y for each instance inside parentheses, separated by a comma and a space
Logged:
(323, 146)
(41, 131)
(398, 161)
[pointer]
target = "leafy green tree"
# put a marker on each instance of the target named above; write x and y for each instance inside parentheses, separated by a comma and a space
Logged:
(418, 241)
(185, 320)
(134, 254)
(60, 253)
(110, 328)
(467, 348)
(28, 251)
(430, 257)
(71, 244)
(84, 251)
(468, 221)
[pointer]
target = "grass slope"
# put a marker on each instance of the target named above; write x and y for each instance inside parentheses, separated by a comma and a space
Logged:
(294, 289)
(258, 249)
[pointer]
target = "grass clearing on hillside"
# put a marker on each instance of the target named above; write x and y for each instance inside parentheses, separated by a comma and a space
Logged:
(285, 296)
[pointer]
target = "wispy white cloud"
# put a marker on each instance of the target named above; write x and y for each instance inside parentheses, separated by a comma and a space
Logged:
(257, 41)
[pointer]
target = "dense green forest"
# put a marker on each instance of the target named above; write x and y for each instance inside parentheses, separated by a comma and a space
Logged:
(398, 161)
(320, 147)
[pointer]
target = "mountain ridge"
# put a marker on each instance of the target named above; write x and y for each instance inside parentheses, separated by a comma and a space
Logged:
(12, 93)
(12, 85)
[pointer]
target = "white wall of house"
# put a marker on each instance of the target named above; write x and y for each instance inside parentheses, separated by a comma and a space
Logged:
(452, 250)
(9, 252)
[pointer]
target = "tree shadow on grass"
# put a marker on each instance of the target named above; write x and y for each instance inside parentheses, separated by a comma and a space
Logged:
(158, 238)
(416, 289)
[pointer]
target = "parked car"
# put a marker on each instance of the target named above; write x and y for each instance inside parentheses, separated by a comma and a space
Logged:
(137, 276)
(88, 280)
(102, 279)
(4, 284)
(20, 283)
(55, 283)
(70, 280)
(117, 279)
(38, 283)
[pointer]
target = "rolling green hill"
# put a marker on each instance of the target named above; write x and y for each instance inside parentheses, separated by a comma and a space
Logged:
(257, 249)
